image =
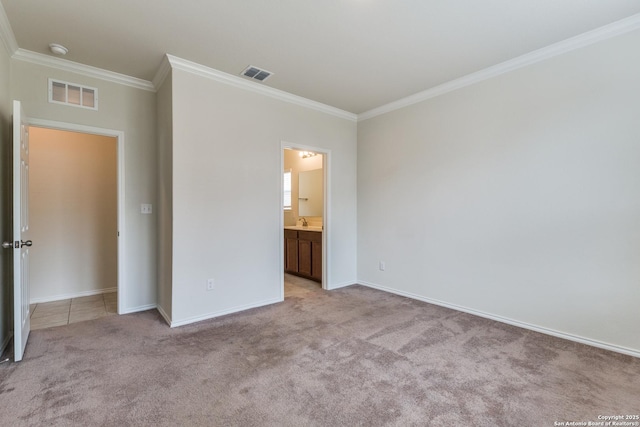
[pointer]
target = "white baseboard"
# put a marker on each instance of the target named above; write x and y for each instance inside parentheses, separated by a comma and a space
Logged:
(139, 308)
(72, 295)
(165, 316)
(524, 325)
(207, 316)
(341, 285)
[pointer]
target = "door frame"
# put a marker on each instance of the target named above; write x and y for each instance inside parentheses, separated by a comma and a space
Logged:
(326, 219)
(119, 135)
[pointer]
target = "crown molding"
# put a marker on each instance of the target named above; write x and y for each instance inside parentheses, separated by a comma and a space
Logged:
(161, 73)
(599, 34)
(6, 33)
(10, 43)
(85, 70)
(236, 81)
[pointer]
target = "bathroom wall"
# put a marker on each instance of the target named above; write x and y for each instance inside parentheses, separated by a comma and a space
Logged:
(293, 161)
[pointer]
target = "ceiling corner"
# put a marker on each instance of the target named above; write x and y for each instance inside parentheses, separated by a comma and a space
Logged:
(162, 72)
(6, 33)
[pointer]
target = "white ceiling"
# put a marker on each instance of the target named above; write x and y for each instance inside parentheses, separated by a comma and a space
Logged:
(351, 54)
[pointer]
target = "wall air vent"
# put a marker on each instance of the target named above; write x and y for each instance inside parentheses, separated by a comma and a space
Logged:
(256, 73)
(73, 94)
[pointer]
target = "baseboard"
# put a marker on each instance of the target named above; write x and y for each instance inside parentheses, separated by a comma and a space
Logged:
(139, 308)
(207, 316)
(524, 325)
(164, 315)
(73, 295)
(341, 285)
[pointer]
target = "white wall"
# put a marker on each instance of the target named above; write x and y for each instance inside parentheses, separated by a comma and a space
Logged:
(227, 195)
(6, 256)
(73, 214)
(165, 200)
(122, 108)
(516, 197)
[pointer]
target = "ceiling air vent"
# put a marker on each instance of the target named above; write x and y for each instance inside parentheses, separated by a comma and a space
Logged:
(256, 73)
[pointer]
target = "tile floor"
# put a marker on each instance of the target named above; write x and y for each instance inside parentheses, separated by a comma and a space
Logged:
(63, 312)
(299, 286)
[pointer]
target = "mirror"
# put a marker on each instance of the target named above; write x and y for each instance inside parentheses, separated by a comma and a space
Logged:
(310, 193)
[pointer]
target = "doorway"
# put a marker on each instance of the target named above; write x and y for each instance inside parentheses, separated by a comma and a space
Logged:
(304, 219)
(73, 203)
(76, 210)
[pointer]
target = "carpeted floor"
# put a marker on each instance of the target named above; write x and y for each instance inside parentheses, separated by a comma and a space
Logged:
(350, 357)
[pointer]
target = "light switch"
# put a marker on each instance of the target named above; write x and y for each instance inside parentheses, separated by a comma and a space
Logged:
(145, 208)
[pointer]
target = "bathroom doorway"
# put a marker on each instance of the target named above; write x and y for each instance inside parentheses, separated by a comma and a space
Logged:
(304, 218)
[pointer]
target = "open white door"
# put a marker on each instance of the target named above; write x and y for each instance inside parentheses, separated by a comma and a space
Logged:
(21, 244)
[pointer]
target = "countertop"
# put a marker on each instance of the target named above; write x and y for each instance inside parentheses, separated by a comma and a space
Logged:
(301, 228)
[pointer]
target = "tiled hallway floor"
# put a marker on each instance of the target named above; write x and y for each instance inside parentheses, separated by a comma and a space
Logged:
(63, 312)
(297, 286)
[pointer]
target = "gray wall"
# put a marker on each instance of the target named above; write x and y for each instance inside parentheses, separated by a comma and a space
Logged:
(227, 174)
(6, 256)
(165, 200)
(516, 197)
(122, 108)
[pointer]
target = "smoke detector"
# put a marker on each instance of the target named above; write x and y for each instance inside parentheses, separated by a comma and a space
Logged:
(58, 49)
(256, 73)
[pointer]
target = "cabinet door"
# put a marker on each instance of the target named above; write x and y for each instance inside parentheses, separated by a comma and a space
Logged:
(291, 251)
(304, 257)
(316, 260)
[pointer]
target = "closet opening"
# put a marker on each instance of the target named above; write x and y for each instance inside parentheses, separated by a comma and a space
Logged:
(74, 199)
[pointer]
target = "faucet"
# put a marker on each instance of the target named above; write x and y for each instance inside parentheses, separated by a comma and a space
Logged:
(304, 221)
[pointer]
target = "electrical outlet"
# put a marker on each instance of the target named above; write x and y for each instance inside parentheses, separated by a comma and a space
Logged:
(382, 265)
(146, 208)
(211, 284)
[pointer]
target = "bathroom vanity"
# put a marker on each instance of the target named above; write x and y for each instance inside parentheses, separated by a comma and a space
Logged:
(303, 251)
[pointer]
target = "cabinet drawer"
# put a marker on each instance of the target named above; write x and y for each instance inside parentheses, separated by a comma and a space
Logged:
(312, 236)
(290, 234)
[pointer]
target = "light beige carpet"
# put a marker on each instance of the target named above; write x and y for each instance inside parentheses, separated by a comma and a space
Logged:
(352, 357)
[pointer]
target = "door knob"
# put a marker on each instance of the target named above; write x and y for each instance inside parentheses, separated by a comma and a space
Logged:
(7, 245)
(27, 243)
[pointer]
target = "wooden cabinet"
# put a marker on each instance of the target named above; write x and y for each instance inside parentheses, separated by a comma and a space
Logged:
(303, 253)
(290, 250)
(304, 257)
(316, 260)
